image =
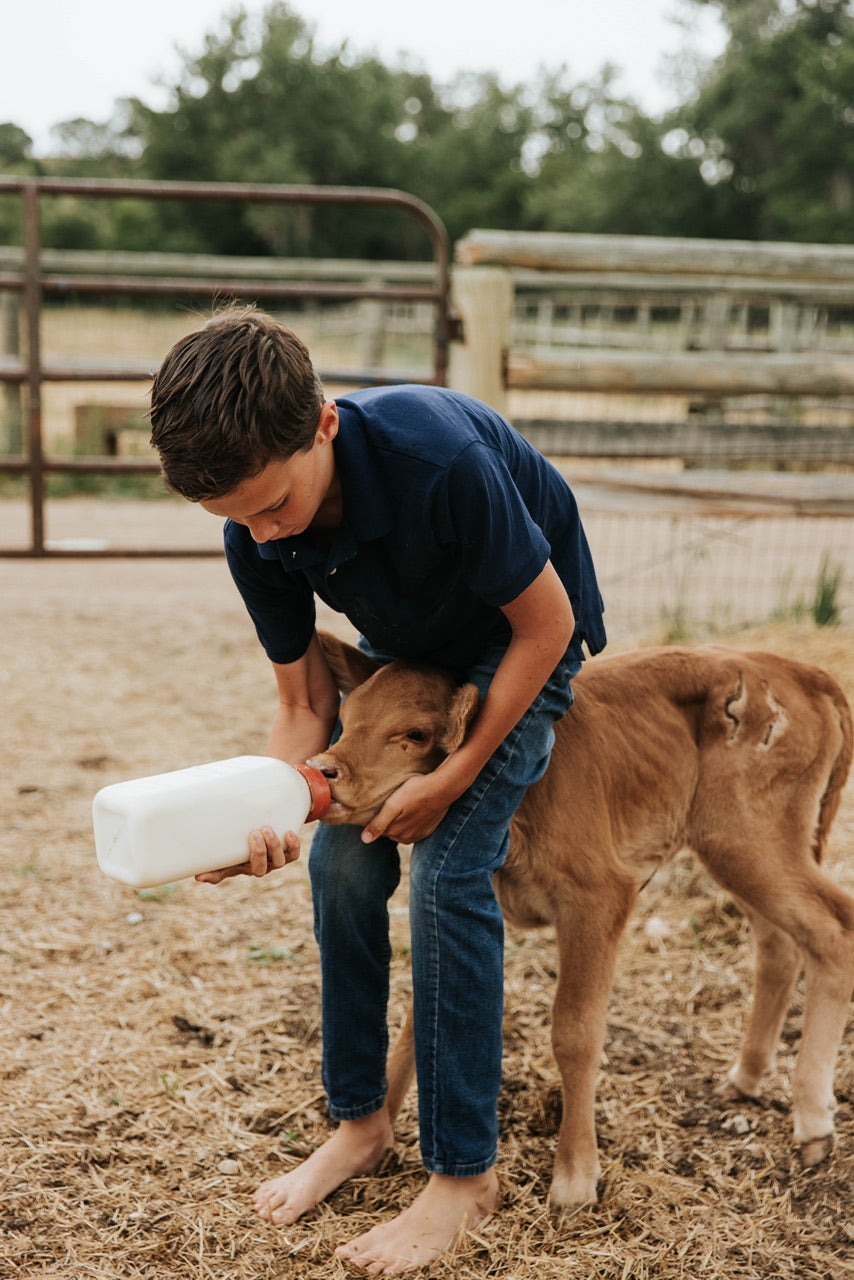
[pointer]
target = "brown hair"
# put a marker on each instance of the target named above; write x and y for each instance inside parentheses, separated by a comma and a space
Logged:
(237, 394)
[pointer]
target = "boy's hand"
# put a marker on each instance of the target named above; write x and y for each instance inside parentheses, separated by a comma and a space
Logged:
(266, 853)
(413, 811)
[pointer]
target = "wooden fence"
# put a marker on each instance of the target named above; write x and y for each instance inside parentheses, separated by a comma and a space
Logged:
(593, 345)
(699, 397)
(755, 342)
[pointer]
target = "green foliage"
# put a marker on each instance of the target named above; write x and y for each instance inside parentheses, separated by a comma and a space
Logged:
(15, 146)
(265, 953)
(604, 169)
(762, 146)
(162, 893)
(826, 611)
(774, 122)
(824, 607)
(71, 484)
(263, 106)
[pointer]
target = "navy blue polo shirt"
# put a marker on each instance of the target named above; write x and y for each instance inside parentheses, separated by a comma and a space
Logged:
(448, 513)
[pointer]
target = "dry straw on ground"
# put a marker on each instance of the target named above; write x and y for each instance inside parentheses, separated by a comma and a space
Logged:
(159, 1051)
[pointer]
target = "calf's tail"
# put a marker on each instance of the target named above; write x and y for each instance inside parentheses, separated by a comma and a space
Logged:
(840, 768)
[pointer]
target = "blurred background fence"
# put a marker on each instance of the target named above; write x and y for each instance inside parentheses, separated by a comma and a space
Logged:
(699, 395)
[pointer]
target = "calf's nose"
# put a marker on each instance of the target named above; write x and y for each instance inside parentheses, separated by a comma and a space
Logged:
(326, 767)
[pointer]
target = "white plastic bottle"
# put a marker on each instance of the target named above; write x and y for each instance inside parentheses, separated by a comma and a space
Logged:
(153, 831)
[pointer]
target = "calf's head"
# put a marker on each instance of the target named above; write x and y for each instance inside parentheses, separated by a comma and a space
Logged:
(397, 720)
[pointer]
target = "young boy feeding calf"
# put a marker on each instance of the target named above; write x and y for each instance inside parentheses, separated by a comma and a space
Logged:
(441, 534)
(740, 756)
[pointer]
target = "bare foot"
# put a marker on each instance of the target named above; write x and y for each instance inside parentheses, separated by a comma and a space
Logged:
(428, 1228)
(356, 1147)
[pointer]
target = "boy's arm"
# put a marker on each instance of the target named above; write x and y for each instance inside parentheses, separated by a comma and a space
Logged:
(542, 625)
(308, 706)
(302, 727)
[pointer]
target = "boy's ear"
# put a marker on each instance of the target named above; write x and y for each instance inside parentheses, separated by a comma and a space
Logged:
(464, 707)
(349, 665)
(327, 423)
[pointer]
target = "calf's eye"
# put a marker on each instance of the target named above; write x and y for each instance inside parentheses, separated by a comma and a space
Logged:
(416, 735)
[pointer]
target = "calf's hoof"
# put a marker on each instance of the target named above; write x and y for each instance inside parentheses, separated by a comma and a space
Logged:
(736, 1086)
(571, 1191)
(730, 1092)
(813, 1152)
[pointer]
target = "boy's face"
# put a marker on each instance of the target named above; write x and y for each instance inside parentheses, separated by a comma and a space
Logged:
(288, 496)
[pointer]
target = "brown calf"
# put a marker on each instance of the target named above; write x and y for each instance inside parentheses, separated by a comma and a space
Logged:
(739, 756)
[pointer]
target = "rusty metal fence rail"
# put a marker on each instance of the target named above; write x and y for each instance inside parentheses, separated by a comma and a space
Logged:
(33, 282)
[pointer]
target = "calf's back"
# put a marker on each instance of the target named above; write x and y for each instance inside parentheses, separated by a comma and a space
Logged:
(671, 748)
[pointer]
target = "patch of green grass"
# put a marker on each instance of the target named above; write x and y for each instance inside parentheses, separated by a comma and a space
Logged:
(30, 869)
(823, 608)
(264, 953)
(160, 893)
(169, 1083)
(74, 484)
(825, 605)
(675, 627)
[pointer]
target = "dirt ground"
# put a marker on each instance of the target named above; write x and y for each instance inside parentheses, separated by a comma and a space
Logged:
(159, 1051)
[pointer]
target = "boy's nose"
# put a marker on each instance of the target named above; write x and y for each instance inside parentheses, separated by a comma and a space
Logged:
(262, 528)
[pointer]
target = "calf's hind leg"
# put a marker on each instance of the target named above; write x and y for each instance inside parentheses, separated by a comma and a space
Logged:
(788, 891)
(777, 962)
(829, 981)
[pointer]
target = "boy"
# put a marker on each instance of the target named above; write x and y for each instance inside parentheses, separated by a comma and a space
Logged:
(425, 519)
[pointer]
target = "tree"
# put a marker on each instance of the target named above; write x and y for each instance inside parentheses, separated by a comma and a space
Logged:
(262, 105)
(601, 167)
(15, 146)
(465, 153)
(773, 124)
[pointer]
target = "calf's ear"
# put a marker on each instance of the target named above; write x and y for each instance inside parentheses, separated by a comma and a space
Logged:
(349, 665)
(463, 709)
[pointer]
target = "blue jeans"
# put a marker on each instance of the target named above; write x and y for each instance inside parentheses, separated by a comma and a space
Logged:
(457, 947)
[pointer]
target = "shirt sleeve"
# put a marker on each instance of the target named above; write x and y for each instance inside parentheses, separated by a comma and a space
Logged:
(501, 547)
(280, 604)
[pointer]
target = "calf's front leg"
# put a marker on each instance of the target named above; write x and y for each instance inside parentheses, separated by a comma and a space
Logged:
(589, 926)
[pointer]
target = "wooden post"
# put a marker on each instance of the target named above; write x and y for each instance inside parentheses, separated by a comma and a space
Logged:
(11, 417)
(483, 298)
(372, 329)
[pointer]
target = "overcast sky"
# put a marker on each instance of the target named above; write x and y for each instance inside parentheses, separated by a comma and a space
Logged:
(62, 59)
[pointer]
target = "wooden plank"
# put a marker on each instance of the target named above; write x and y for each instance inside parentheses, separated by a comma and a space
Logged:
(98, 262)
(686, 373)
(694, 441)
(661, 255)
(649, 285)
(12, 368)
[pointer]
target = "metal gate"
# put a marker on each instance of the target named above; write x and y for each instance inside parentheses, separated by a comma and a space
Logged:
(33, 283)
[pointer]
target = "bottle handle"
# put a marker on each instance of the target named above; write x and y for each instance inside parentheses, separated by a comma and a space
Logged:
(318, 788)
